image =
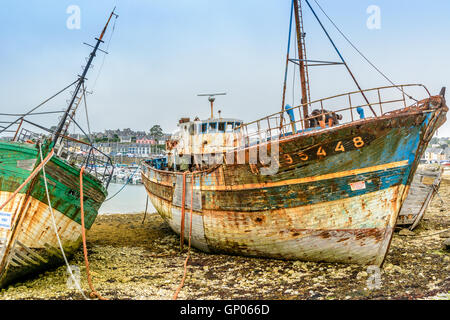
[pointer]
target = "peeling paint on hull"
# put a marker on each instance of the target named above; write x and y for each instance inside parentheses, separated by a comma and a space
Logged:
(30, 245)
(296, 233)
(336, 208)
(36, 247)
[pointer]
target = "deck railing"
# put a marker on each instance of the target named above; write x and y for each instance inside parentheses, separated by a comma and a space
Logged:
(96, 163)
(74, 152)
(350, 107)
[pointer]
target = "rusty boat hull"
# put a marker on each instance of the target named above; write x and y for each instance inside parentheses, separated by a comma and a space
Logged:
(335, 198)
(28, 244)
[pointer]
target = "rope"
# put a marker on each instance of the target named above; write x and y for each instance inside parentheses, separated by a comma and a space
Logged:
(175, 296)
(145, 213)
(77, 284)
(427, 235)
(183, 205)
(83, 232)
(123, 187)
(32, 175)
(361, 54)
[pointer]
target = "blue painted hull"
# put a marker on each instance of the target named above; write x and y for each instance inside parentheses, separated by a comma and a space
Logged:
(335, 196)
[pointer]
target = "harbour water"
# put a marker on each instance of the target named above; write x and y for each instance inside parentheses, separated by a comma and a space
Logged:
(130, 200)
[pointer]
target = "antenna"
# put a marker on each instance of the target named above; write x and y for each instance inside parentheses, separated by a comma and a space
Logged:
(211, 99)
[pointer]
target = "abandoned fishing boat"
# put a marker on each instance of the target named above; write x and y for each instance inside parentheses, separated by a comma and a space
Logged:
(304, 183)
(424, 187)
(42, 177)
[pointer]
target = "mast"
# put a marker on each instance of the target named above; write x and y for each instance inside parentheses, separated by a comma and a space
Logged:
(342, 58)
(303, 62)
(72, 116)
(81, 80)
(304, 79)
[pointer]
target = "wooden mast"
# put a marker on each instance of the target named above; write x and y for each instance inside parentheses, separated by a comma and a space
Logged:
(302, 59)
(81, 81)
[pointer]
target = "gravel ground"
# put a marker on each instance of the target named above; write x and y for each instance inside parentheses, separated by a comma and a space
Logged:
(134, 260)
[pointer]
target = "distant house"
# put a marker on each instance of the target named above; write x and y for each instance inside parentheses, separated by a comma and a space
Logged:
(145, 140)
(163, 139)
(140, 134)
(434, 155)
(97, 135)
(447, 154)
(139, 150)
(106, 148)
(125, 139)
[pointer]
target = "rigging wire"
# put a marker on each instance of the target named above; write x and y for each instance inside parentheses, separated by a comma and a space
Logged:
(40, 105)
(361, 54)
(283, 101)
(29, 114)
(59, 92)
(95, 82)
(104, 55)
(293, 79)
(123, 187)
(86, 110)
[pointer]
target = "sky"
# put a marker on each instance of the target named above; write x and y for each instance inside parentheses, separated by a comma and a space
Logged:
(163, 53)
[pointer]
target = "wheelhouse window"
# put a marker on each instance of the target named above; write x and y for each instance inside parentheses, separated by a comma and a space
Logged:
(221, 126)
(204, 127)
(230, 127)
(212, 127)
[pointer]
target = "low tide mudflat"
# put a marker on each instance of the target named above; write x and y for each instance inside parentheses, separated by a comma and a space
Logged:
(134, 260)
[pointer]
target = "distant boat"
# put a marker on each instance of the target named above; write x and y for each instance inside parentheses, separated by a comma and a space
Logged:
(331, 188)
(28, 241)
(424, 187)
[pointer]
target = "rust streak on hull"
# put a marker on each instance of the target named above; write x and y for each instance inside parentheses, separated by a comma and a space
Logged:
(335, 197)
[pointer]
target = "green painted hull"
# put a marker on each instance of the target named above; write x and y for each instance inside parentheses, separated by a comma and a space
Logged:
(30, 245)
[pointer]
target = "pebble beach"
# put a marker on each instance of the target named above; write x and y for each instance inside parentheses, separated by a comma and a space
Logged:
(135, 258)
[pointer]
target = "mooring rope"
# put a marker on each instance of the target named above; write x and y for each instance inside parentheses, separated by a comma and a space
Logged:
(145, 213)
(175, 296)
(94, 293)
(183, 205)
(77, 284)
